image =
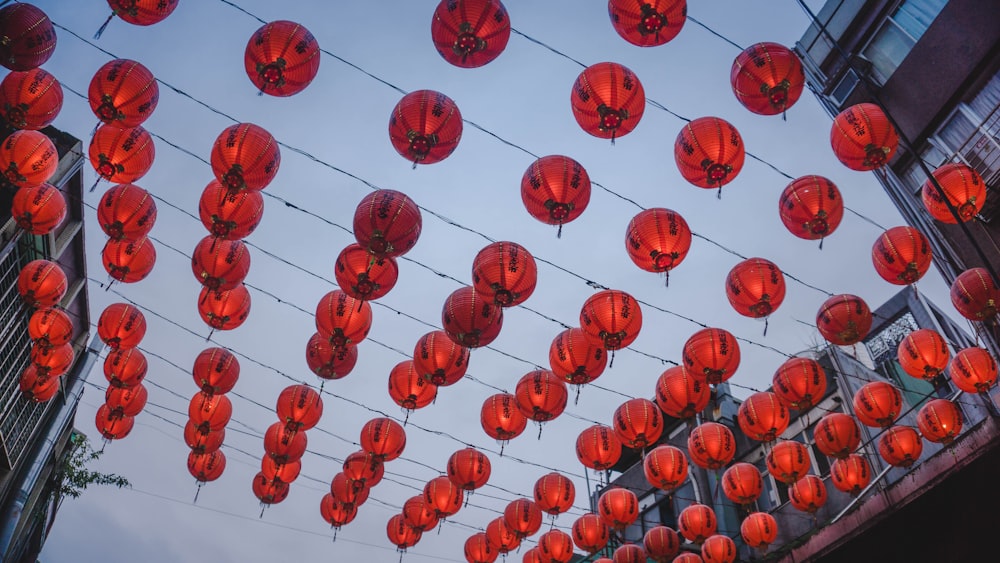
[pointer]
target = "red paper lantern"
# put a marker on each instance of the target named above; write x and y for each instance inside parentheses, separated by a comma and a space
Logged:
(657, 240)
(709, 152)
(555, 546)
(501, 418)
(30, 99)
(479, 550)
(269, 491)
(533, 555)
(112, 427)
(363, 276)
(126, 402)
(837, 435)
(973, 370)
(281, 58)
(36, 386)
(52, 361)
(940, 421)
(648, 24)
(439, 360)
(962, 186)
(877, 404)
(541, 396)
(611, 318)
(850, 474)
(220, 264)
(590, 533)
(345, 492)
(504, 273)
(121, 325)
(126, 211)
(125, 367)
(923, 354)
(799, 383)
(300, 407)
(224, 310)
(629, 553)
(755, 287)
(328, 361)
(767, 78)
(49, 327)
(123, 93)
(121, 156)
(284, 472)
(638, 423)
(387, 223)
(342, 319)
(712, 353)
(28, 37)
(555, 189)
(468, 468)
(844, 319)
(206, 467)
(28, 158)
(759, 530)
(469, 319)
(336, 513)
(718, 549)
(362, 470)
(523, 516)
(501, 537)
(418, 514)
(575, 359)
(661, 543)
(425, 127)
(680, 395)
(408, 389)
(900, 446)
(470, 33)
(618, 508)
(41, 283)
(210, 412)
(38, 209)
(901, 255)
(129, 261)
(696, 523)
(383, 438)
(762, 417)
(215, 370)
(808, 494)
(203, 442)
(554, 493)
(608, 100)
(863, 138)
(246, 157)
(665, 467)
(443, 496)
(142, 12)
(742, 483)
(811, 207)
(598, 448)
(711, 445)
(975, 295)
(788, 461)
(230, 215)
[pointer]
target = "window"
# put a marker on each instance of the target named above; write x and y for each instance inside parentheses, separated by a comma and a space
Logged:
(899, 33)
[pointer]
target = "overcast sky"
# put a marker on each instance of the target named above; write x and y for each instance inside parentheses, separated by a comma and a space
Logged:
(341, 119)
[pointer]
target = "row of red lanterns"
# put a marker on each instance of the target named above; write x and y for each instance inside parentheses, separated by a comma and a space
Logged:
(42, 285)
(122, 327)
(299, 408)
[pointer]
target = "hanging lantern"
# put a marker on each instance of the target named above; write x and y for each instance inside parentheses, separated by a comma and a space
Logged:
(900, 446)
(523, 516)
(657, 240)
(638, 423)
(680, 395)
(555, 189)
(224, 310)
(533, 556)
(470, 33)
(229, 215)
(554, 493)
(665, 467)
(27, 37)
(767, 78)
(36, 386)
(844, 319)
(284, 472)
(501, 418)
(408, 389)
(973, 370)
(126, 402)
(363, 276)
(598, 448)
(762, 417)
(336, 513)
(362, 470)
(759, 530)
(963, 187)
(215, 370)
(142, 12)
(220, 264)
(648, 24)
(41, 283)
(387, 223)
(940, 421)
(504, 273)
(443, 496)
(479, 550)
(863, 138)
(469, 319)
(245, 157)
(300, 407)
(629, 553)
(126, 211)
(877, 404)
(923, 354)
(121, 326)
(788, 461)
(418, 514)
(121, 156)
(501, 537)
(742, 483)
(696, 523)
(281, 58)
(38, 209)
(345, 492)
(808, 494)
(328, 361)
(202, 442)
(28, 158)
(268, 491)
(206, 467)
(425, 127)
(709, 152)
(611, 318)
(811, 207)
(850, 474)
(575, 359)
(711, 445)
(713, 353)
(608, 100)
(541, 396)
(901, 255)
(837, 435)
(590, 533)
(342, 319)
(383, 438)
(129, 261)
(661, 543)
(125, 367)
(799, 383)
(555, 546)
(49, 327)
(975, 295)
(210, 412)
(30, 99)
(439, 360)
(52, 361)
(755, 287)
(618, 508)
(123, 93)
(113, 427)
(718, 549)
(468, 468)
